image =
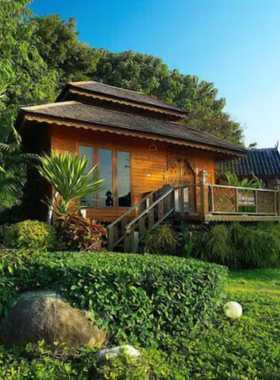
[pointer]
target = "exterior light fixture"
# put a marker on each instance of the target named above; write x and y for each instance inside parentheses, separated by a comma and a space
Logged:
(233, 310)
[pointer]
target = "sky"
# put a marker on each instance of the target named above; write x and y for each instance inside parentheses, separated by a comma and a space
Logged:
(233, 43)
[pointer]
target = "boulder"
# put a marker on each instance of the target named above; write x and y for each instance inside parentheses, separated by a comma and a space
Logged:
(111, 353)
(45, 315)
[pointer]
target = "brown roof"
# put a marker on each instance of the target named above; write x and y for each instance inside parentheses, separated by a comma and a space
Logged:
(118, 93)
(126, 121)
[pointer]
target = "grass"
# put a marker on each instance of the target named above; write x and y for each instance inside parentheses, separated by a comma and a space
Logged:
(257, 280)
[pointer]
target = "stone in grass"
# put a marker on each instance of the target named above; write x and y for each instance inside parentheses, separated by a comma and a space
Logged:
(111, 353)
(45, 315)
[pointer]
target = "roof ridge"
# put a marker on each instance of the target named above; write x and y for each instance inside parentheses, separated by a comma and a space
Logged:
(127, 90)
(30, 108)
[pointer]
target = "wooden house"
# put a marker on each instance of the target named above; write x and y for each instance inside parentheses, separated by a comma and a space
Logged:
(263, 163)
(154, 166)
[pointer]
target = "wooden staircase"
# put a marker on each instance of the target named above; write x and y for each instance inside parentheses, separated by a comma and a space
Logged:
(125, 233)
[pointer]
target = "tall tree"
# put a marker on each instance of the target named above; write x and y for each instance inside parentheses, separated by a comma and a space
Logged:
(150, 75)
(61, 50)
(25, 77)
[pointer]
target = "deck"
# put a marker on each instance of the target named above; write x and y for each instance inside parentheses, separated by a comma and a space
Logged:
(217, 203)
(202, 203)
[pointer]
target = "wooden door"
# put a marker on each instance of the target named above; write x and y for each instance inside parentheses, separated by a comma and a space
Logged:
(181, 174)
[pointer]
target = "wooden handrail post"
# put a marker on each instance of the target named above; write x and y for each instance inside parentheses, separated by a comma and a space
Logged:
(127, 242)
(110, 238)
(204, 189)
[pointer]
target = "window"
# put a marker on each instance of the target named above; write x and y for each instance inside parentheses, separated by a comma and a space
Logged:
(88, 152)
(123, 176)
(116, 186)
(105, 166)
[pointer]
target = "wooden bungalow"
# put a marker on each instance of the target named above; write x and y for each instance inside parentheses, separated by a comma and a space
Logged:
(155, 168)
(263, 163)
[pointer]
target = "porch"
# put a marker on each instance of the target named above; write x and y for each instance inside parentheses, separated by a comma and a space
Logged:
(202, 203)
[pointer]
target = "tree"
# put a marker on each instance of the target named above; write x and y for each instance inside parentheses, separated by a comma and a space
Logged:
(61, 50)
(151, 76)
(25, 77)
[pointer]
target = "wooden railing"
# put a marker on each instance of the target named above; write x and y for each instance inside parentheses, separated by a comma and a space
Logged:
(242, 200)
(116, 229)
(148, 219)
(192, 202)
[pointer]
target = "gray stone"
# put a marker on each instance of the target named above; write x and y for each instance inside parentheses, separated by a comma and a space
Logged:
(45, 315)
(111, 353)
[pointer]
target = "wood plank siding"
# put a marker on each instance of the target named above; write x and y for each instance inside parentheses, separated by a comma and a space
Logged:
(149, 168)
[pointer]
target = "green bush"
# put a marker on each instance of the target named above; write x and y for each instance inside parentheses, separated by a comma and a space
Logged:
(239, 246)
(160, 241)
(30, 234)
(137, 298)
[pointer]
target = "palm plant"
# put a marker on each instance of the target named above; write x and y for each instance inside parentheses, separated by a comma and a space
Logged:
(71, 182)
(12, 168)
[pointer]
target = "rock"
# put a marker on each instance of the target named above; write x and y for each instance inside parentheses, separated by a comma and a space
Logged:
(111, 353)
(45, 315)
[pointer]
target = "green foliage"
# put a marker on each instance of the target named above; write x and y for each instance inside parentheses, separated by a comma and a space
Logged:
(255, 182)
(39, 361)
(77, 233)
(12, 169)
(161, 240)
(61, 50)
(30, 234)
(70, 178)
(239, 246)
(245, 349)
(139, 299)
(148, 74)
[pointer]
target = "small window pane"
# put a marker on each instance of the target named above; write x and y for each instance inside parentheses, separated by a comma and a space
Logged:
(124, 190)
(89, 153)
(105, 167)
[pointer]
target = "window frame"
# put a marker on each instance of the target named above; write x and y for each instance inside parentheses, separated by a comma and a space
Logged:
(115, 151)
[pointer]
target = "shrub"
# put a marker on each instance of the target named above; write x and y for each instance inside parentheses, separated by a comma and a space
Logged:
(30, 234)
(137, 298)
(161, 240)
(239, 246)
(78, 233)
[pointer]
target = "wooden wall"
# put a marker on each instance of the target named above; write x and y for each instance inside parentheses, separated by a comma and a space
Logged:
(149, 169)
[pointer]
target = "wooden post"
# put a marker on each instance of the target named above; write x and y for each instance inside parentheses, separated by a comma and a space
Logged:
(135, 242)
(127, 242)
(110, 238)
(204, 194)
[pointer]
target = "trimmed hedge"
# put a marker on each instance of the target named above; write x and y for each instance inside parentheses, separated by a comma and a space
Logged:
(139, 298)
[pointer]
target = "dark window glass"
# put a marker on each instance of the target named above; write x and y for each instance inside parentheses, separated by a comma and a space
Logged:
(105, 167)
(124, 190)
(88, 152)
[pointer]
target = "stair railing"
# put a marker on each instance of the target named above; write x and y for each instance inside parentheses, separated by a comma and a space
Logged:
(115, 230)
(149, 219)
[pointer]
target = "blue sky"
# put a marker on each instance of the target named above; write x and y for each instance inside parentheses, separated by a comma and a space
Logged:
(233, 43)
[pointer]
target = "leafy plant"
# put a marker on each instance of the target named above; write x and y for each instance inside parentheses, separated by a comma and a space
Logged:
(68, 175)
(239, 246)
(141, 299)
(255, 182)
(79, 233)
(30, 234)
(161, 240)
